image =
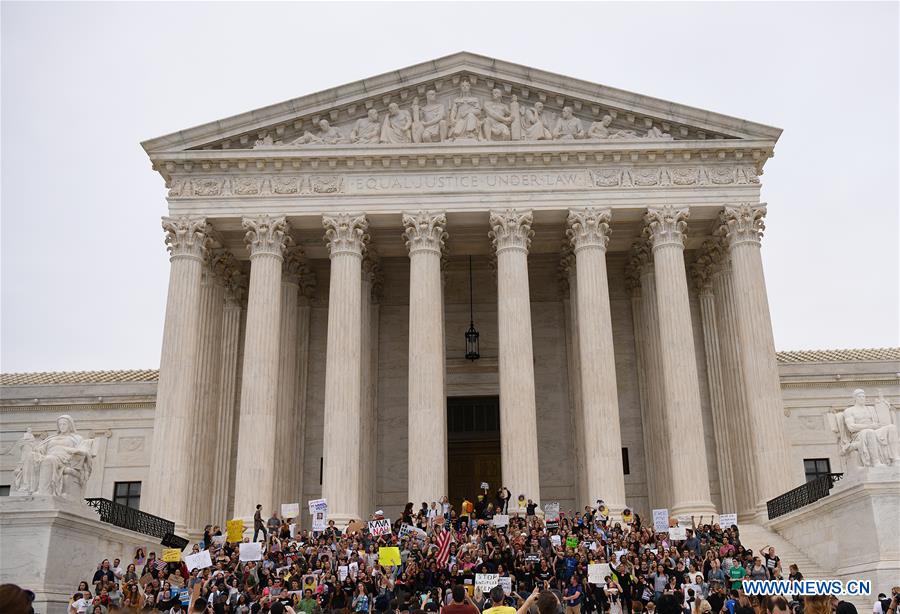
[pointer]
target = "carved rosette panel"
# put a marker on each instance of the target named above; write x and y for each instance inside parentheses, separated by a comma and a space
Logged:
(266, 236)
(589, 227)
(666, 225)
(742, 224)
(345, 233)
(424, 231)
(511, 229)
(186, 236)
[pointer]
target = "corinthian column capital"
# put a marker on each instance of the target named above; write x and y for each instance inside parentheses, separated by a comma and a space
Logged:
(666, 225)
(187, 236)
(294, 266)
(511, 229)
(742, 224)
(266, 235)
(704, 268)
(588, 227)
(424, 231)
(345, 233)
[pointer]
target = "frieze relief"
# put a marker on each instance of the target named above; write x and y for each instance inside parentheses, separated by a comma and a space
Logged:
(638, 177)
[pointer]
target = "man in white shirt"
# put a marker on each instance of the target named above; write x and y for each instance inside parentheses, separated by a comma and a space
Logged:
(876, 607)
(117, 569)
(80, 603)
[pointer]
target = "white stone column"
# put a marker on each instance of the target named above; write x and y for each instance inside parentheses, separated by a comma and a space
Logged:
(304, 312)
(427, 467)
(511, 235)
(371, 268)
(601, 437)
(743, 465)
(166, 489)
(235, 290)
(267, 239)
(347, 238)
(702, 272)
(198, 509)
(656, 438)
(573, 361)
(687, 453)
(287, 413)
(371, 436)
(742, 227)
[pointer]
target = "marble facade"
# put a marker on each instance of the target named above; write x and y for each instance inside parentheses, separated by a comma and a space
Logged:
(319, 294)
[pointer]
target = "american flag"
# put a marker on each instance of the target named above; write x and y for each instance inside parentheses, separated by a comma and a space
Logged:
(160, 564)
(443, 554)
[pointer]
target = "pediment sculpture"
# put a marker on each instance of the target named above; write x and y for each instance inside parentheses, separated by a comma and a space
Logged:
(58, 465)
(464, 118)
(867, 432)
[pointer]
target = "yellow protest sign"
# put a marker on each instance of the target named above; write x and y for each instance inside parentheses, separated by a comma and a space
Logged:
(235, 529)
(171, 555)
(389, 555)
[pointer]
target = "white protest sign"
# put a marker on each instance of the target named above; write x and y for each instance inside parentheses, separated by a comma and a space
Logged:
(597, 572)
(500, 520)
(290, 510)
(251, 551)
(343, 570)
(661, 520)
(484, 486)
(380, 527)
(408, 529)
(506, 583)
(293, 529)
(486, 581)
(678, 533)
(353, 569)
(556, 540)
(201, 560)
(320, 519)
(317, 504)
(684, 521)
(620, 553)
(726, 520)
(218, 540)
(551, 511)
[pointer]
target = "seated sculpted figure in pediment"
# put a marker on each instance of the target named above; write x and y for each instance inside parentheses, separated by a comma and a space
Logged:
(465, 115)
(397, 125)
(328, 135)
(601, 130)
(568, 126)
(366, 130)
(429, 122)
(868, 431)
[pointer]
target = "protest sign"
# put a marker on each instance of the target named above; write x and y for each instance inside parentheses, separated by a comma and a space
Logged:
(317, 504)
(389, 556)
(293, 530)
(556, 540)
(176, 581)
(597, 572)
(353, 569)
(290, 510)
(310, 582)
(500, 520)
(727, 520)
(551, 511)
(506, 583)
(661, 520)
(343, 572)
(484, 486)
(620, 553)
(355, 527)
(320, 519)
(235, 530)
(571, 542)
(218, 540)
(201, 560)
(532, 557)
(251, 551)
(380, 527)
(408, 529)
(171, 555)
(486, 581)
(627, 516)
(184, 596)
(678, 533)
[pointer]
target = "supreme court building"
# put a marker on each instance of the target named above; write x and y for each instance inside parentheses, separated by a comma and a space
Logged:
(329, 253)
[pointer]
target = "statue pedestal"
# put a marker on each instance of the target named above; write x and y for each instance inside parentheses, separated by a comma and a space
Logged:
(50, 544)
(855, 530)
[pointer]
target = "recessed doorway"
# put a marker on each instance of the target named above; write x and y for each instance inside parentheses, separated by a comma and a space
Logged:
(473, 446)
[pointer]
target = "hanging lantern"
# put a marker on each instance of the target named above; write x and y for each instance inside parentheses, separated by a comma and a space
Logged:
(471, 334)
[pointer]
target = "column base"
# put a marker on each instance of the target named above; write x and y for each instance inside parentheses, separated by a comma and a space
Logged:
(341, 520)
(693, 508)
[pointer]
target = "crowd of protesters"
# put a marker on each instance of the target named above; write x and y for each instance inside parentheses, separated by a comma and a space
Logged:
(546, 563)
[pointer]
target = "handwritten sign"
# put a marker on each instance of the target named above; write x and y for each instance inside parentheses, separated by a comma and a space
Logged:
(201, 560)
(506, 583)
(409, 530)
(317, 504)
(235, 530)
(251, 551)
(486, 581)
(597, 572)
(389, 556)
(290, 510)
(484, 486)
(727, 520)
(171, 555)
(661, 520)
(380, 527)
(551, 511)
(500, 520)
(678, 533)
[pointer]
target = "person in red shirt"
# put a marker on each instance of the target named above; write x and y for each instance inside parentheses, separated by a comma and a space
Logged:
(460, 604)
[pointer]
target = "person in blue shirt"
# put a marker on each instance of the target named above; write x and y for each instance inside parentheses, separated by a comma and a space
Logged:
(572, 596)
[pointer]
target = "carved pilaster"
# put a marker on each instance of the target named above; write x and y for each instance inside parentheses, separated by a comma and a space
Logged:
(425, 230)
(742, 224)
(345, 233)
(589, 227)
(187, 236)
(666, 225)
(266, 235)
(511, 229)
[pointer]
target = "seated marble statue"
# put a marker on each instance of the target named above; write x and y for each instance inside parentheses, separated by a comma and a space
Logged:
(366, 130)
(465, 115)
(497, 118)
(397, 125)
(868, 430)
(328, 135)
(657, 134)
(429, 122)
(58, 465)
(601, 130)
(533, 126)
(568, 126)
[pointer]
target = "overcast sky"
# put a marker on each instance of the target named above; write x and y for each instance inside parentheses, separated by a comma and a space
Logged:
(84, 268)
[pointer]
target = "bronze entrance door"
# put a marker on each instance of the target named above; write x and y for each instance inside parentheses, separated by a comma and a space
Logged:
(473, 447)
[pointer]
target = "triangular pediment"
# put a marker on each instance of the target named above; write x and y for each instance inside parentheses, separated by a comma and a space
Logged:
(461, 99)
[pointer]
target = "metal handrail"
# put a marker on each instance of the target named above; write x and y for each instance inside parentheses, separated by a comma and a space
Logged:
(802, 496)
(130, 518)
